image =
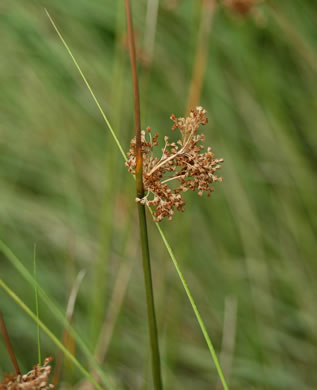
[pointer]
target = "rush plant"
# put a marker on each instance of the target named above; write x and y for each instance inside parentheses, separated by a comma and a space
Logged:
(181, 161)
(187, 152)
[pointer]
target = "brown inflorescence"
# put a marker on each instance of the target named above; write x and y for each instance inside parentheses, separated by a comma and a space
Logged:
(36, 379)
(243, 7)
(182, 166)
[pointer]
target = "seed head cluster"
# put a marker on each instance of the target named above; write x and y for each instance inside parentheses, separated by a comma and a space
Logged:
(243, 7)
(36, 379)
(183, 166)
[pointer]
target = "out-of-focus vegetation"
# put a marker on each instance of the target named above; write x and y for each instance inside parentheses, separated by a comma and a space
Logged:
(248, 252)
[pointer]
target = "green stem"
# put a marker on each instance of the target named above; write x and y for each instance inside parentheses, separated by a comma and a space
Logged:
(37, 308)
(156, 365)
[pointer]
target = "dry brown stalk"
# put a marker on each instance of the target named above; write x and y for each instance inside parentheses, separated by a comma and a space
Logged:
(8, 344)
(201, 56)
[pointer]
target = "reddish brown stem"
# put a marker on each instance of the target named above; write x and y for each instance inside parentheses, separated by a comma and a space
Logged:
(153, 333)
(136, 96)
(8, 344)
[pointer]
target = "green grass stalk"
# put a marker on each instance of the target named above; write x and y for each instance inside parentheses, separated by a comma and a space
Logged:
(156, 365)
(37, 307)
(295, 38)
(196, 311)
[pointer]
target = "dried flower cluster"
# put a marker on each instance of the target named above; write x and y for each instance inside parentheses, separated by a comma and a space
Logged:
(36, 379)
(243, 7)
(183, 166)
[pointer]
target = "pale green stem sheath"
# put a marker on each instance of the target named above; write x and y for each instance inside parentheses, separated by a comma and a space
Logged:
(156, 364)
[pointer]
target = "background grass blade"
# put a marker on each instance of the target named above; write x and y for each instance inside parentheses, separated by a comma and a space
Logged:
(37, 308)
(196, 311)
(88, 86)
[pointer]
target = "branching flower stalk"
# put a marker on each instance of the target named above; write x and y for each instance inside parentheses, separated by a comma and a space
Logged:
(182, 166)
(36, 379)
(242, 7)
(156, 365)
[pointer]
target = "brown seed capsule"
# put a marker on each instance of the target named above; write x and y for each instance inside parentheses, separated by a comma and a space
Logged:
(36, 379)
(182, 166)
(243, 7)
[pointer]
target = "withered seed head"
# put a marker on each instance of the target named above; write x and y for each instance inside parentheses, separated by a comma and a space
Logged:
(36, 379)
(182, 166)
(243, 7)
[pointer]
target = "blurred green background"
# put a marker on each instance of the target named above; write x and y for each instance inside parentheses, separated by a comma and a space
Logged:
(248, 253)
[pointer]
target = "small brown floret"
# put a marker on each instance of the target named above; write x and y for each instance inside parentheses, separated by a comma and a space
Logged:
(182, 166)
(243, 7)
(36, 379)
